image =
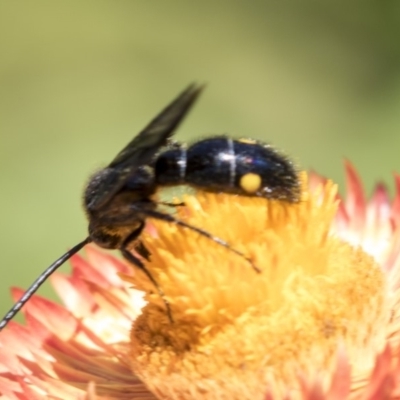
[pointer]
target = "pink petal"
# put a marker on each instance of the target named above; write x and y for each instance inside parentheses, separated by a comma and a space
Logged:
(381, 382)
(341, 379)
(355, 201)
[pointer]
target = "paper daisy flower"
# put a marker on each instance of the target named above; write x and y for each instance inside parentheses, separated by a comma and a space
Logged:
(321, 321)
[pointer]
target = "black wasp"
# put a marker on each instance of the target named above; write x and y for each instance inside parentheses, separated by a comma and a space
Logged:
(119, 198)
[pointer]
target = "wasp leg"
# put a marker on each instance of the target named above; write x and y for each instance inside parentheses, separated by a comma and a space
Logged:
(142, 250)
(170, 218)
(139, 264)
(165, 203)
(139, 210)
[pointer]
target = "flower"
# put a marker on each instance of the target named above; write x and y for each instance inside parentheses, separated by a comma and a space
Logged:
(321, 321)
(64, 350)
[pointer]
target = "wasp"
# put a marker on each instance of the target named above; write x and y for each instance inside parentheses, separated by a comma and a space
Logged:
(119, 198)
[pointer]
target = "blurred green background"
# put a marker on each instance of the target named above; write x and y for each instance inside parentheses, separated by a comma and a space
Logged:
(320, 80)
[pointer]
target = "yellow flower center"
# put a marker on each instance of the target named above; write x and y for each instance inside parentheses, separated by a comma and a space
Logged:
(236, 332)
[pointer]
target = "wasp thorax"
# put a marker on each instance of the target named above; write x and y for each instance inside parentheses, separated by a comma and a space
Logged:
(116, 215)
(98, 187)
(103, 186)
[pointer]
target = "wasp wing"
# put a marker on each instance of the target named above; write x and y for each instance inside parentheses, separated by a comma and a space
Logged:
(143, 147)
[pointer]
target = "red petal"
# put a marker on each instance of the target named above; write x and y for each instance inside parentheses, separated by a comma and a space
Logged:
(381, 382)
(83, 269)
(341, 379)
(396, 201)
(55, 317)
(108, 265)
(355, 200)
(74, 293)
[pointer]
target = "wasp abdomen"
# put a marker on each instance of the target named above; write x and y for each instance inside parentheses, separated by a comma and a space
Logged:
(211, 164)
(241, 166)
(261, 171)
(170, 167)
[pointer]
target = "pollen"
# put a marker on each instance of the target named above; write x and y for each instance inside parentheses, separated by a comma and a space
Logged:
(236, 332)
(250, 182)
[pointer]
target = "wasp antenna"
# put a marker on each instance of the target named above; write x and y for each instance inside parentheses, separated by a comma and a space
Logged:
(39, 281)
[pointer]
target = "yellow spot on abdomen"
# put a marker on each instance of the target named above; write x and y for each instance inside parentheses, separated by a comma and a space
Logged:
(250, 182)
